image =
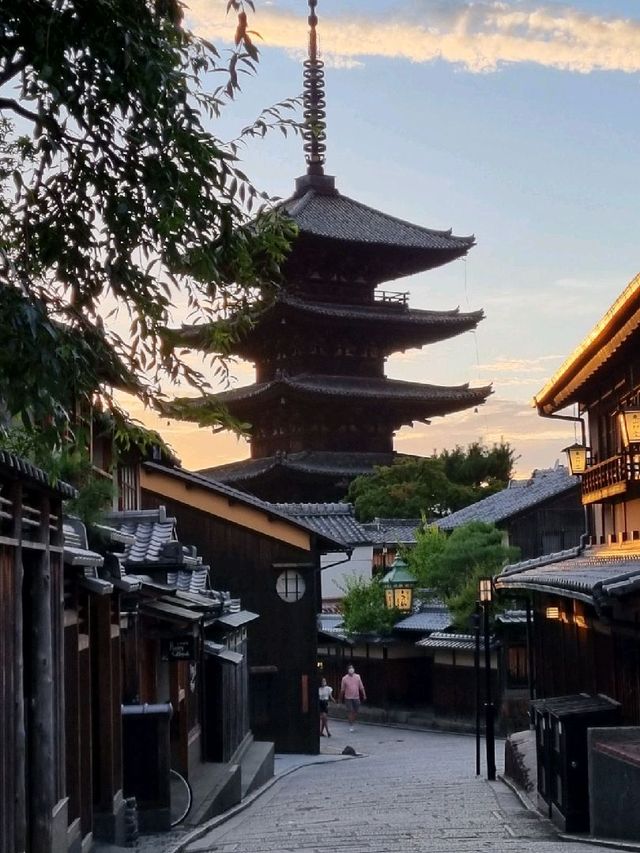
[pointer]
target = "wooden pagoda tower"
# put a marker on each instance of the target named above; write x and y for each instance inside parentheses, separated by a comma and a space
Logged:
(322, 410)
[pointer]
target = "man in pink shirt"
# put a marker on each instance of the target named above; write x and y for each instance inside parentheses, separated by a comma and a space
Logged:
(351, 692)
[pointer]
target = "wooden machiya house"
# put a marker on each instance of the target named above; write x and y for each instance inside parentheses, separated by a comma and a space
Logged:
(587, 598)
(34, 809)
(321, 410)
(272, 562)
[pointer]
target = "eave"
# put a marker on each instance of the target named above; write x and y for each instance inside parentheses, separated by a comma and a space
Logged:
(397, 396)
(593, 353)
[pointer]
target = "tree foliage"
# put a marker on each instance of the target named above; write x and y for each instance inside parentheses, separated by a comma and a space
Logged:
(363, 607)
(449, 565)
(117, 201)
(432, 486)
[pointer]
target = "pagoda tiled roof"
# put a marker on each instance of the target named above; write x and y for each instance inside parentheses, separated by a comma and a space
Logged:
(320, 462)
(338, 217)
(437, 399)
(399, 321)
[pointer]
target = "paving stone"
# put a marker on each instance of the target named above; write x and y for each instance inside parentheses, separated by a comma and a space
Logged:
(408, 792)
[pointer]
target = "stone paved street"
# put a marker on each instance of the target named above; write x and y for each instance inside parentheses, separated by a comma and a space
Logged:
(410, 791)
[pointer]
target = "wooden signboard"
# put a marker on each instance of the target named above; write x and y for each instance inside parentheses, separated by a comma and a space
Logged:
(178, 648)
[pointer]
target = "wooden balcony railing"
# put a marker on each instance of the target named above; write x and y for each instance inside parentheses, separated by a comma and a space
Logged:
(390, 297)
(610, 477)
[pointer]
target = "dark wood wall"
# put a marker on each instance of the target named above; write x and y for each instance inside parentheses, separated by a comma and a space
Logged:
(389, 682)
(549, 527)
(32, 773)
(601, 657)
(282, 642)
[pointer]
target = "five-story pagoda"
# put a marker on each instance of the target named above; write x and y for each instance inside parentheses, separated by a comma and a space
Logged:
(322, 410)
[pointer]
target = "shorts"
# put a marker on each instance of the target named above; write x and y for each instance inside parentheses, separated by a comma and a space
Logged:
(324, 706)
(352, 704)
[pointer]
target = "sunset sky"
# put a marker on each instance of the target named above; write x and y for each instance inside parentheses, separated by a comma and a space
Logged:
(515, 121)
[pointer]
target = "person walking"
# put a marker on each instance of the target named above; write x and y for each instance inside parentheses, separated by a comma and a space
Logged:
(352, 692)
(325, 695)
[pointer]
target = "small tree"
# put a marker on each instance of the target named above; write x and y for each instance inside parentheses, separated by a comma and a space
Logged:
(450, 565)
(363, 607)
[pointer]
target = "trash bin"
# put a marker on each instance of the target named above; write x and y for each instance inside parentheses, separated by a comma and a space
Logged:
(561, 724)
(146, 752)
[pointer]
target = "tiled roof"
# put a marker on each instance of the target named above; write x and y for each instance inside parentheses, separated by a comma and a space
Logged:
(430, 619)
(208, 482)
(454, 642)
(331, 626)
(512, 617)
(334, 520)
(593, 574)
(155, 541)
(307, 462)
(517, 497)
(339, 217)
(402, 325)
(393, 531)
(437, 399)
(17, 466)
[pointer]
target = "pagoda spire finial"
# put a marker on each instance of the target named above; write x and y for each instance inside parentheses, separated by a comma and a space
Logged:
(314, 102)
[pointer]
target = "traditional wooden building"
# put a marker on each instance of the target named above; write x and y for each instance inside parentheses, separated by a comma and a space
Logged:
(322, 410)
(34, 810)
(272, 561)
(586, 599)
(539, 515)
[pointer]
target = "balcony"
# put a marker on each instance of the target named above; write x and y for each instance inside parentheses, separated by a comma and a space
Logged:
(390, 297)
(610, 477)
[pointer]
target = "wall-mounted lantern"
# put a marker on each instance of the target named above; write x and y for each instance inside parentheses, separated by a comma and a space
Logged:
(552, 612)
(398, 585)
(577, 454)
(629, 426)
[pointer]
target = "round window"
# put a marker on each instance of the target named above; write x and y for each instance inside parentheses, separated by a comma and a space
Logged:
(290, 585)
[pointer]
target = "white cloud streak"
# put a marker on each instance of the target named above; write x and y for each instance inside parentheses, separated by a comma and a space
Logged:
(477, 36)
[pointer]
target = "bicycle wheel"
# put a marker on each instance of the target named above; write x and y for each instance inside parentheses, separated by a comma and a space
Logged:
(181, 797)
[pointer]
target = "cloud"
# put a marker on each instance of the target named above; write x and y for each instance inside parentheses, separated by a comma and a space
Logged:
(477, 36)
(519, 365)
(537, 441)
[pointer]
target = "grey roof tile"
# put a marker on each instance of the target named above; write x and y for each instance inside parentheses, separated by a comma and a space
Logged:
(212, 484)
(430, 619)
(335, 520)
(517, 497)
(306, 461)
(16, 465)
(339, 217)
(592, 574)
(353, 387)
(393, 531)
(454, 642)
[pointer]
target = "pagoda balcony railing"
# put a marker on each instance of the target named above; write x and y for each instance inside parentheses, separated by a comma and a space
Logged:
(392, 297)
(610, 477)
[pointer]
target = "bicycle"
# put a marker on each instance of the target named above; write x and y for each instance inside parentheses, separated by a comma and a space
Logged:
(181, 797)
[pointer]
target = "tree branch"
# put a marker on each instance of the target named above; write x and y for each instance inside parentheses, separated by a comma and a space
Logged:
(11, 104)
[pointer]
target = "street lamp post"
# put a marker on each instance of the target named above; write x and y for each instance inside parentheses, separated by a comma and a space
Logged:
(485, 587)
(475, 622)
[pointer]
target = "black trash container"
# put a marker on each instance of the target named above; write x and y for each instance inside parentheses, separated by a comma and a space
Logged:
(146, 763)
(561, 724)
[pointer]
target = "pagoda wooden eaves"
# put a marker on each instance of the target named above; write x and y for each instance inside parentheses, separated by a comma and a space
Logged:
(394, 326)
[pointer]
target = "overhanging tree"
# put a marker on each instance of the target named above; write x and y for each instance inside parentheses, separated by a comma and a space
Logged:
(117, 201)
